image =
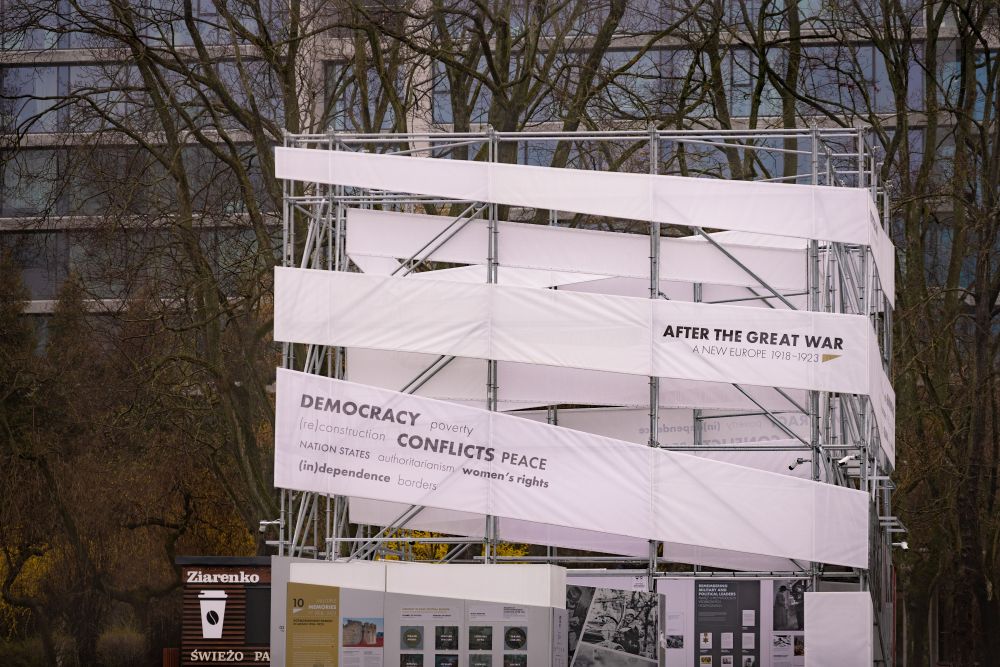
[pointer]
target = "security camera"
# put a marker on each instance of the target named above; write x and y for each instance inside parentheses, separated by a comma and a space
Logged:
(798, 462)
(847, 459)
(902, 545)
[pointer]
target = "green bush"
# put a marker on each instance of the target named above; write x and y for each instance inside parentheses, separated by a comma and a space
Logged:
(121, 647)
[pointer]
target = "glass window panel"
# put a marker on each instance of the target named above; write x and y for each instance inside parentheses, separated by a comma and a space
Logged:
(31, 180)
(28, 96)
(43, 259)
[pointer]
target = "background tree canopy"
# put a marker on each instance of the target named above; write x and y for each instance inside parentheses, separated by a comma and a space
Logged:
(138, 203)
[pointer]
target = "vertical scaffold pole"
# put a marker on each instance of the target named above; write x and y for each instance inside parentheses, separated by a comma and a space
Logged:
(654, 382)
(492, 525)
(814, 305)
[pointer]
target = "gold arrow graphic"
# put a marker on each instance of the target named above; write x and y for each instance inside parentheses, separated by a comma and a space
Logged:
(829, 357)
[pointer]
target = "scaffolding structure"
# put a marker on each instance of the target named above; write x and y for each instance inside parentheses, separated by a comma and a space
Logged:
(842, 446)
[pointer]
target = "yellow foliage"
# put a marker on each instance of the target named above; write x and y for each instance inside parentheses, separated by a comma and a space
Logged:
(29, 583)
(418, 551)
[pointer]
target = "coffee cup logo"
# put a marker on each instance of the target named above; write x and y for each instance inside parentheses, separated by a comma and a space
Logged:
(213, 613)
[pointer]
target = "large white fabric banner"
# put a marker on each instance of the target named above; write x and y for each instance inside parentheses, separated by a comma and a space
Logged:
(522, 386)
(758, 437)
(803, 211)
(467, 524)
(780, 262)
(336, 437)
(693, 341)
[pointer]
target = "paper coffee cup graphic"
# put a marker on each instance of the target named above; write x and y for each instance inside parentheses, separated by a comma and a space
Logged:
(213, 613)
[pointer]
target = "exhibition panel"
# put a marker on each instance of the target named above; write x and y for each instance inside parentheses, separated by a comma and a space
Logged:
(838, 629)
(424, 616)
(341, 438)
(737, 622)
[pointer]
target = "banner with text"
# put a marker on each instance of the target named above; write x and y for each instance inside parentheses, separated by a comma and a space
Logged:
(623, 335)
(717, 343)
(337, 437)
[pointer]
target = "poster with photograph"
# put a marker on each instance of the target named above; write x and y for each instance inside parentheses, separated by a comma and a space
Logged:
(480, 638)
(446, 638)
(515, 638)
(362, 640)
(789, 604)
(621, 622)
(411, 638)
(578, 599)
(362, 632)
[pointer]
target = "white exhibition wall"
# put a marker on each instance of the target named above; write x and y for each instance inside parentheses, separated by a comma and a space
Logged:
(805, 211)
(839, 629)
(436, 454)
(536, 585)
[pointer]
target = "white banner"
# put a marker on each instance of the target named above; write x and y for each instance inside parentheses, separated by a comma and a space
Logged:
(692, 341)
(802, 211)
(336, 437)
(466, 524)
(805, 211)
(780, 262)
(463, 380)
(676, 428)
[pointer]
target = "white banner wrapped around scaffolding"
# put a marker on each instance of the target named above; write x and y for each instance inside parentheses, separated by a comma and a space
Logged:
(809, 212)
(592, 255)
(337, 437)
(528, 386)
(715, 343)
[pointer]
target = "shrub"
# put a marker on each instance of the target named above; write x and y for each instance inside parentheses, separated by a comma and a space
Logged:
(121, 647)
(21, 653)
